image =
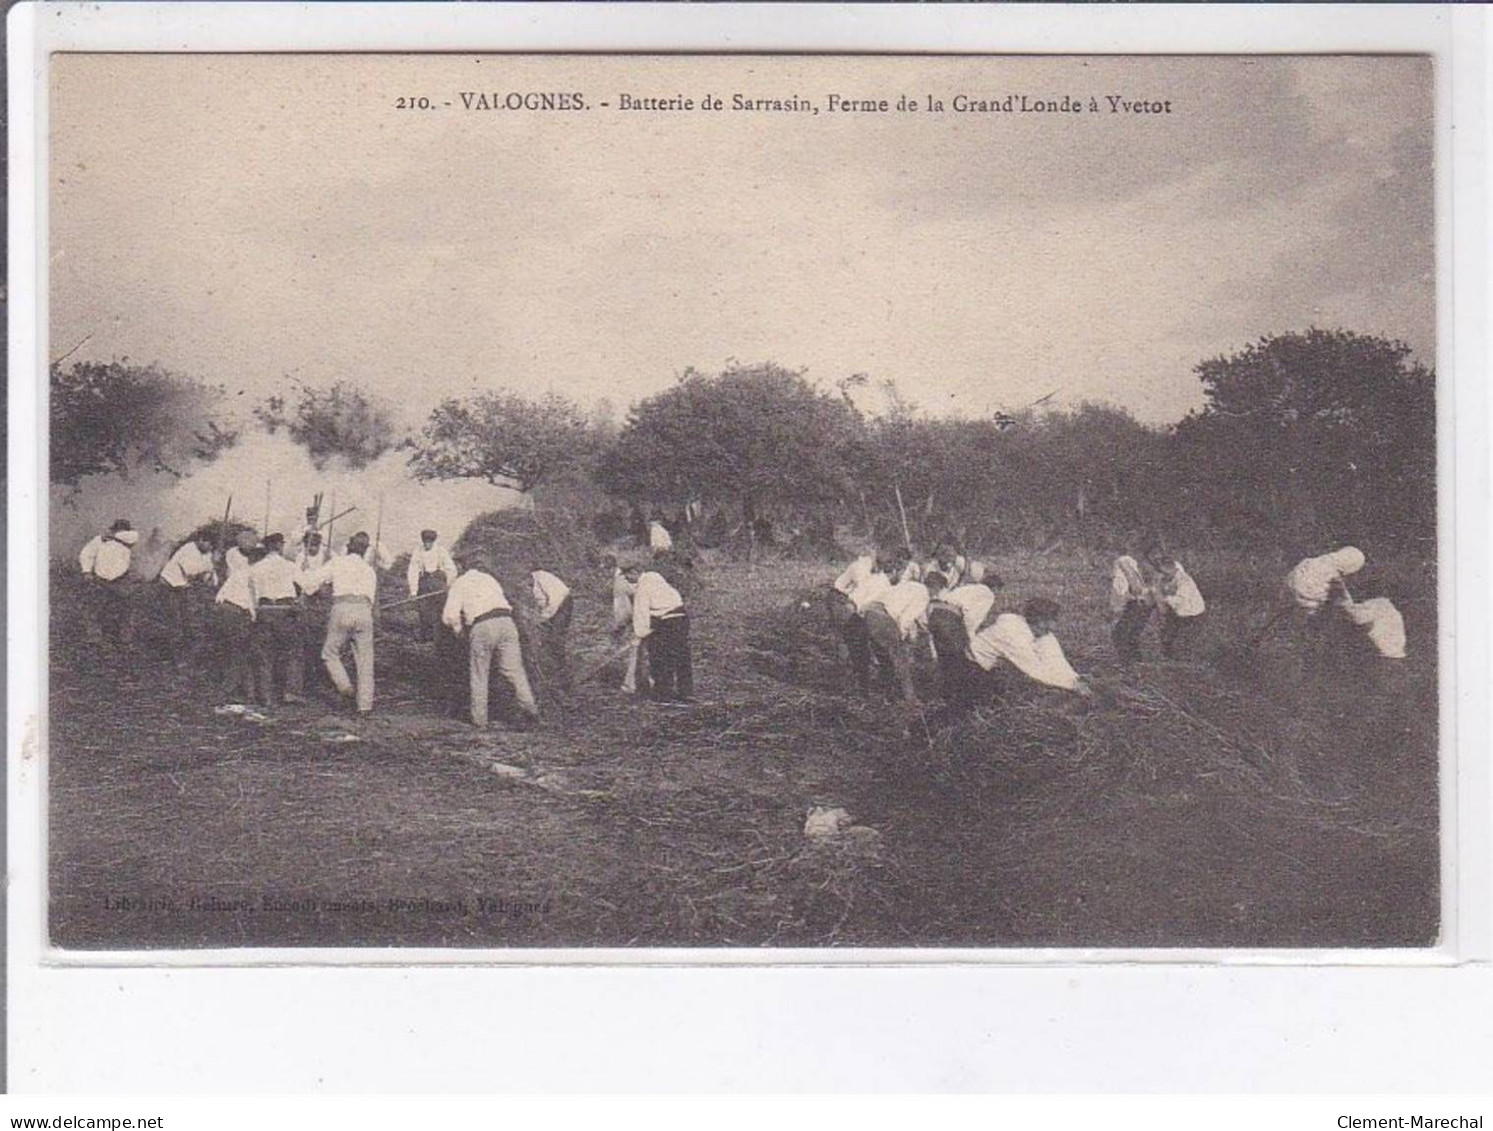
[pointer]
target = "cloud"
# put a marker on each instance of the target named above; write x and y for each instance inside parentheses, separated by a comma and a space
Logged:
(241, 218)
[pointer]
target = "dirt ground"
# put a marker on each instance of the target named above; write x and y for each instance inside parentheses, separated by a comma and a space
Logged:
(1281, 798)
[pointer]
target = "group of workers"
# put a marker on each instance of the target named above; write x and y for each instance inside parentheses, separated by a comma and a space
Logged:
(280, 617)
(888, 607)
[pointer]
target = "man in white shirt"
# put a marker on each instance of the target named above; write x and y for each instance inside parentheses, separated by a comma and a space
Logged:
(1180, 603)
(188, 571)
(431, 570)
(1378, 616)
(893, 622)
(1308, 589)
(354, 591)
(105, 562)
(553, 608)
(1310, 582)
(236, 610)
(1027, 643)
(622, 592)
(661, 622)
(954, 616)
(844, 614)
(315, 608)
(237, 557)
(863, 582)
(277, 632)
(477, 607)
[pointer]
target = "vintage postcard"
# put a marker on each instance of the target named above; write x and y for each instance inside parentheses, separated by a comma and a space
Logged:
(554, 502)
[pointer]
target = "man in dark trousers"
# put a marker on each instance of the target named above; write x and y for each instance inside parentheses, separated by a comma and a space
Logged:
(278, 643)
(955, 614)
(431, 570)
(553, 607)
(661, 622)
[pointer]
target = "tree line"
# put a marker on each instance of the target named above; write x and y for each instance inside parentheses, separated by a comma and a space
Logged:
(1302, 439)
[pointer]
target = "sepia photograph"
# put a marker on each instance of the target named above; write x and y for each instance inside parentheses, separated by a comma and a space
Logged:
(724, 502)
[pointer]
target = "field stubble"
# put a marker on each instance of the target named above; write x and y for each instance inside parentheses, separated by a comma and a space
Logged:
(1288, 800)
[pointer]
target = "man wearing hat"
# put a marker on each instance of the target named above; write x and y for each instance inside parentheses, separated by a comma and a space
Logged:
(431, 570)
(187, 572)
(105, 562)
(354, 590)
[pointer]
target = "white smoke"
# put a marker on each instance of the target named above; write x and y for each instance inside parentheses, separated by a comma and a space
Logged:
(164, 508)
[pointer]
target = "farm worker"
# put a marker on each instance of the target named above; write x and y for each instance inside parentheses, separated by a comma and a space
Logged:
(1310, 582)
(237, 557)
(1131, 597)
(476, 605)
(661, 622)
(841, 607)
(1378, 615)
(350, 620)
(315, 607)
(431, 570)
(864, 586)
(236, 609)
(622, 593)
(192, 562)
(659, 538)
(1027, 643)
(277, 632)
(892, 624)
(954, 616)
(1180, 603)
(306, 529)
(105, 562)
(554, 607)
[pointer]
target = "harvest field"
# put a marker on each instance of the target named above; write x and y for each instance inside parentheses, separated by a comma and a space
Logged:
(1285, 798)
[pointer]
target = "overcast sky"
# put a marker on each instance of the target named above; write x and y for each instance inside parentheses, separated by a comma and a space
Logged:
(242, 219)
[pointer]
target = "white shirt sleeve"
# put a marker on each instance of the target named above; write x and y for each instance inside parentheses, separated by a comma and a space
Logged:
(412, 575)
(1187, 601)
(447, 565)
(642, 607)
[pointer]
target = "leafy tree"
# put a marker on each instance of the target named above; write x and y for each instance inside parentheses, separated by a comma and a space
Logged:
(338, 420)
(760, 437)
(116, 418)
(504, 438)
(1323, 434)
